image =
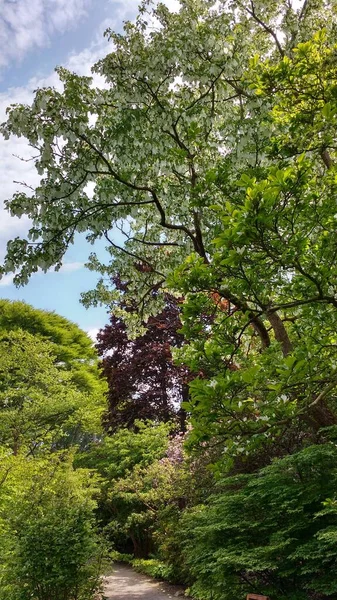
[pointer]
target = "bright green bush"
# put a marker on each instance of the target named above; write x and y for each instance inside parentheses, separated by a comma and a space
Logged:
(154, 567)
(49, 549)
(273, 532)
(116, 456)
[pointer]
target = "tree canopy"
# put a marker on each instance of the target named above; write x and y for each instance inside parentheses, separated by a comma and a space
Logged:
(71, 342)
(51, 391)
(71, 347)
(166, 139)
(143, 381)
(212, 148)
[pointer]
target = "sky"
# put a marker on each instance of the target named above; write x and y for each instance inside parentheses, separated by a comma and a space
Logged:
(35, 37)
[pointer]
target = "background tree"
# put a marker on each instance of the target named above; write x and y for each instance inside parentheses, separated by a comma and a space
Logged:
(49, 547)
(71, 343)
(121, 461)
(143, 381)
(41, 408)
(72, 348)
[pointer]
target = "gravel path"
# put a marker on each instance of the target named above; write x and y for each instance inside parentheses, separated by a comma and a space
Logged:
(126, 583)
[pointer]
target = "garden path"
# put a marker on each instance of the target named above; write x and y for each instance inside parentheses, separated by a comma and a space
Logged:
(125, 583)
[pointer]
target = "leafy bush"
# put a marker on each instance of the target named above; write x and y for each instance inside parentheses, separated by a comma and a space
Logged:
(49, 550)
(155, 568)
(132, 484)
(273, 532)
(116, 556)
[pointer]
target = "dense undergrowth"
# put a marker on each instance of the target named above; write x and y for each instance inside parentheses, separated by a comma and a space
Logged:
(272, 532)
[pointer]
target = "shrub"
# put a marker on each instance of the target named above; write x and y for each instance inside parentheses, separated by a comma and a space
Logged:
(155, 568)
(49, 550)
(273, 532)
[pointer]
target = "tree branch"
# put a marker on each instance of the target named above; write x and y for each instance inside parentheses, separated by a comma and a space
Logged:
(141, 188)
(295, 303)
(255, 321)
(323, 393)
(265, 27)
(141, 259)
(157, 244)
(280, 332)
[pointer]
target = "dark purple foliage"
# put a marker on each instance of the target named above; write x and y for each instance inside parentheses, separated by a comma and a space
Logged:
(143, 382)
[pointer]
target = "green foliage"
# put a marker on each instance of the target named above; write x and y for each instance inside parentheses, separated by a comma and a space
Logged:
(132, 483)
(71, 347)
(144, 483)
(261, 315)
(50, 398)
(70, 341)
(115, 457)
(155, 568)
(41, 408)
(214, 139)
(273, 532)
(49, 550)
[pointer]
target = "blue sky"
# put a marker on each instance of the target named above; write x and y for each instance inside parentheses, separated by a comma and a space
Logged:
(36, 36)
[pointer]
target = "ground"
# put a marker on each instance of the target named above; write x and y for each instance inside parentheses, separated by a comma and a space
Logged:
(126, 583)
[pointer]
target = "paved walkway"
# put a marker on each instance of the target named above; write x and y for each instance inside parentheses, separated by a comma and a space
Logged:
(126, 583)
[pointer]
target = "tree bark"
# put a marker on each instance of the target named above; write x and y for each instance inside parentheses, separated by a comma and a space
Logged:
(281, 334)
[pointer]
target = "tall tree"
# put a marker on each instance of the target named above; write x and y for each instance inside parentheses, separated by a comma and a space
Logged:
(49, 549)
(276, 249)
(40, 406)
(71, 342)
(212, 148)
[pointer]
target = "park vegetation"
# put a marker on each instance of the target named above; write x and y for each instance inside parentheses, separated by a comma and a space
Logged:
(210, 458)
(51, 403)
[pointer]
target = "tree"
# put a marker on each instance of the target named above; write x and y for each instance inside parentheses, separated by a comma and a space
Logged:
(143, 381)
(212, 148)
(276, 248)
(71, 343)
(175, 99)
(49, 548)
(72, 348)
(41, 408)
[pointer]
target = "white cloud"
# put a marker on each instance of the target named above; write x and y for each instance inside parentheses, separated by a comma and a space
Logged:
(6, 280)
(71, 267)
(92, 333)
(173, 5)
(66, 268)
(25, 24)
(131, 5)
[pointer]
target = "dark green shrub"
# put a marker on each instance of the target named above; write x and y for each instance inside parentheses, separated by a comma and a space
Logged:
(273, 532)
